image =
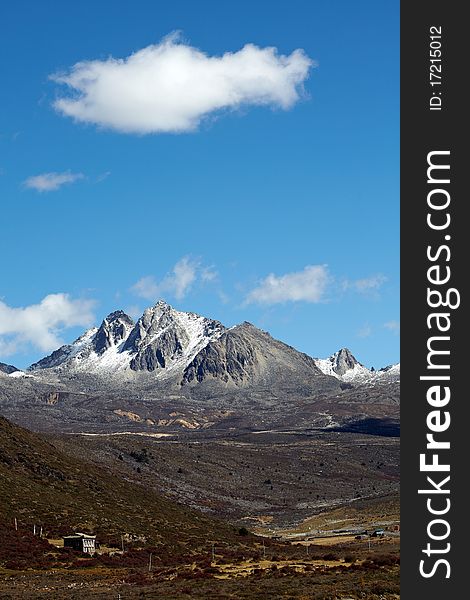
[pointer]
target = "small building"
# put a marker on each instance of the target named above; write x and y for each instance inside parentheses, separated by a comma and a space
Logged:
(81, 542)
(378, 533)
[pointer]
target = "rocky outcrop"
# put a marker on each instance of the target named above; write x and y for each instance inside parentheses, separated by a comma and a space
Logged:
(52, 398)
(113, 330)
(4, 368)
(246, 356)
(344, 366)
(344, 361)
(163, 336)
(53, 360)
(231, 357)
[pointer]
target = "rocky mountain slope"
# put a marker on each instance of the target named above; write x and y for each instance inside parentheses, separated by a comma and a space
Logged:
(7, 369)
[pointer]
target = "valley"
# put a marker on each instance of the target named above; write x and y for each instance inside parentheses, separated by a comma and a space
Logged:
(250, 477)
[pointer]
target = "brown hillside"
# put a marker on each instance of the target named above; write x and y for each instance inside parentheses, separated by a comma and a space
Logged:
(40, 485)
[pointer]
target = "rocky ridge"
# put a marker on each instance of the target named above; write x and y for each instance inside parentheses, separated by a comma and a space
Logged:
(344, 366)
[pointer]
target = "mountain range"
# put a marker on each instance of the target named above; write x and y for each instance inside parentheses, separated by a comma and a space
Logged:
(172, 364)
(171, 343)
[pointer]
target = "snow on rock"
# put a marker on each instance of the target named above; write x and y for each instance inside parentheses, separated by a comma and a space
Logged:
(163, 340)
(344, 366)
(18, 374)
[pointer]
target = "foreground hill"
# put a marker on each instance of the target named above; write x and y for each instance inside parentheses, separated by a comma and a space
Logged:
(41, 485)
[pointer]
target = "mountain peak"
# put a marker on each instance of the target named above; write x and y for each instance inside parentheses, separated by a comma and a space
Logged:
(118, 314)
(113, 330)
(345, 366)
(159, 306)
(162, 303)
(164, 337)
(4, 368)
(342, 364)
(343, 361)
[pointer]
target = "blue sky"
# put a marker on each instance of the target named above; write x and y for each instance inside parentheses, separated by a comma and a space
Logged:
(280, 208)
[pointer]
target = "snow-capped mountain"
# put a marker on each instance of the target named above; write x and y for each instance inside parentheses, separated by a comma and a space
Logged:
(162, 340)
(188, 349)
(344, 366)
(165, 339)
(141, 374)
(181, 349)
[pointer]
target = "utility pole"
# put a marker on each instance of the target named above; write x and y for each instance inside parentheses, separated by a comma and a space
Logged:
(150, 562)
(34, 529)
(308, 546)
(122, 542)
(264, 550)
(213, 552)
(16, 525)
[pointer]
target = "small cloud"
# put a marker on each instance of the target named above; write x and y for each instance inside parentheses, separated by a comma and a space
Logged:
(41, 325)
(103, 176)
(365, 331)
(8, 347)
(393, 326)
(308, 285)
(223, 297)
(208, 274)
(134, 311)
(172, 87)
(50, 182)
(177, 283)
(368, 286)
(146, 287)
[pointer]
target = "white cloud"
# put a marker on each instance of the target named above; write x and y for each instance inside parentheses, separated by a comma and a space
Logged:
(209, 274)
(146, 287)
(365, 331)
(368, 286)
(41, 325)
(308, 285)
(134, 311)
(223, 297)
(49, 182)
(177, 283)
(171, 86)
(393, 326)
(103, 176)
(8, 347)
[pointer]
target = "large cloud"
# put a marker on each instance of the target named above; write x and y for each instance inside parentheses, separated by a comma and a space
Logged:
(41, 324)
(171, 86)
(308, 285)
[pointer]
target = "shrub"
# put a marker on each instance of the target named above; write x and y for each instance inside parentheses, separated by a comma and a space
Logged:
(330, 556)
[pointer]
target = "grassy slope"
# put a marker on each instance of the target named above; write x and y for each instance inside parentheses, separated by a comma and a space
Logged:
(39, 484)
